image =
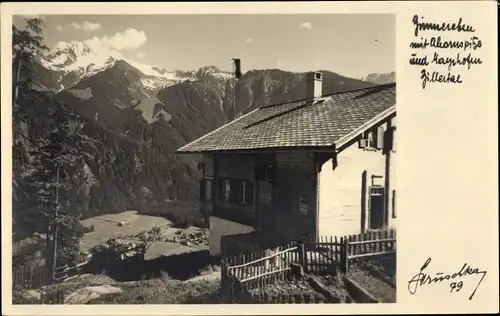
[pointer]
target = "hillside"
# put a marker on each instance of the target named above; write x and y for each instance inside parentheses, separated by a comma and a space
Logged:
(130, 121)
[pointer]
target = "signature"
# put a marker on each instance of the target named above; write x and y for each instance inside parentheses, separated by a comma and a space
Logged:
(456, 278)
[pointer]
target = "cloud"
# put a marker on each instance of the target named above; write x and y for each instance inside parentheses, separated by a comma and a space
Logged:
(305, 25)
(89, 26)
(129, 39)
(75, 26)
(59, 28)
(85, 26)
(249, 40)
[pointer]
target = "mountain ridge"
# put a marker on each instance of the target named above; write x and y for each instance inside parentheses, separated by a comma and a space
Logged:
(139, 117)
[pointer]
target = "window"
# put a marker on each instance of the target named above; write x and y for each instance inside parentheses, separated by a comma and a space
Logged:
(226, 189)
(206, 190)
(304, 204)
(236, 191)
(269, 172)
(243, 192)
(373, 139)
(265, 172)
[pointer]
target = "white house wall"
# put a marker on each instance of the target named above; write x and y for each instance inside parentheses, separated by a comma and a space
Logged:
(340, 190)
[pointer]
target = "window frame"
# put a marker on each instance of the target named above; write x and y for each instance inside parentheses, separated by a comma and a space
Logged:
(266, 173)
(304, 196)
(242, 193)
(226, 190)
(371, 140)
(208, 189)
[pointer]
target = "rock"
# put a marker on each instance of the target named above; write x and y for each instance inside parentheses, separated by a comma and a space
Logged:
(179, 232)
(36, 294)
(82, 296)
(186, 243)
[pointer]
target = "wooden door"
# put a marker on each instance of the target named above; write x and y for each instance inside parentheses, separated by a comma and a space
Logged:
(376, 205)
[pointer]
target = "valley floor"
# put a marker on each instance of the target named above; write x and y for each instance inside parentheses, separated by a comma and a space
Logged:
(129, 225)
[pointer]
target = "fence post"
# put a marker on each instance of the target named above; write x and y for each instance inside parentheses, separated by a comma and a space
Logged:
(303, 257)
(346, 255)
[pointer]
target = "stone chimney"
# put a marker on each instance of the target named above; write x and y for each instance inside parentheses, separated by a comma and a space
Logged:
(314, 85)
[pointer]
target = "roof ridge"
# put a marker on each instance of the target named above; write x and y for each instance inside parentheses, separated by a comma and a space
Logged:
(326, 98)
(379, 86)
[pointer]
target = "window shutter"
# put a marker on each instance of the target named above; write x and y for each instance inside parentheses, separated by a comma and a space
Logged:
(235, 190)
(202, 189)
(209, 187)
(380, 137)
(393, 203)
(271, 174)
(221, 189)
(393, 138)
(388, 140)
(249, 194)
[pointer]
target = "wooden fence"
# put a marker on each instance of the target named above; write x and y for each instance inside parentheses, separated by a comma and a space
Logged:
(28, 277)
(35, 276)
(367, 245)
(257, 269)
(317, 255)
(321, 253)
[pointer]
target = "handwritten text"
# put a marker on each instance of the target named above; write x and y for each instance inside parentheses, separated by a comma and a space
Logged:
(438, 66)
(456, 279)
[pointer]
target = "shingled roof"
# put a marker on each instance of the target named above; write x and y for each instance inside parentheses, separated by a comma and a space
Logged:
(333, 120)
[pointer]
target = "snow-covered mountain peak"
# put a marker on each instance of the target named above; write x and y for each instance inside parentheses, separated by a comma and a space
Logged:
(380, 78)
(73, 61)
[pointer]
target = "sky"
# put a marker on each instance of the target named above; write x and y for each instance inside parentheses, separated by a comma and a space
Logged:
(352, 45)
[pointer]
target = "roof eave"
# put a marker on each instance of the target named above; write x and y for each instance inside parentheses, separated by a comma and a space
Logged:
(257, 150)
(347, 139)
